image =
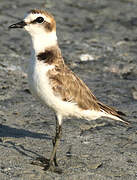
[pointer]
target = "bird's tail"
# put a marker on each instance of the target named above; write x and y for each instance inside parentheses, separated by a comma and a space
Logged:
(112, 113)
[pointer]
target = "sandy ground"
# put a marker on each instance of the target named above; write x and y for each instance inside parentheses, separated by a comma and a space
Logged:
(99, 42)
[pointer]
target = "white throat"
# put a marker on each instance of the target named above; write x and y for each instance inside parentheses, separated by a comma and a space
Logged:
(43, 41)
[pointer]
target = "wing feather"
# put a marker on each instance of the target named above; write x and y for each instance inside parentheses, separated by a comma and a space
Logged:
(71, 88)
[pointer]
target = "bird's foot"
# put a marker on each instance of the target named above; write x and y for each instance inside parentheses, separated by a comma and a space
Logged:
(47, 164)
(51, 167)
(40, 161)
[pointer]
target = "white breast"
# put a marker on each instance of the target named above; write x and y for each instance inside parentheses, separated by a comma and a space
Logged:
(38, 81)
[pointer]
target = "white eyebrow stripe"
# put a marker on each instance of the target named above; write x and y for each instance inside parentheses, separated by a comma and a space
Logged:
(31, 17)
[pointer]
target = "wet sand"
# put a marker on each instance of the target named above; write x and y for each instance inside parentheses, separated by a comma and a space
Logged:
(99, 42)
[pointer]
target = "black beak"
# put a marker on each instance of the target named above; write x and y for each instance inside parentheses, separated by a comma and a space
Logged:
(20, 24)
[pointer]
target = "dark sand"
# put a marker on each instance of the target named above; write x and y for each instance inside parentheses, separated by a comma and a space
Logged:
(106, 30)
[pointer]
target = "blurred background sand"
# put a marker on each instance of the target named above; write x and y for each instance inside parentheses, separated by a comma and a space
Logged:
(99, 42)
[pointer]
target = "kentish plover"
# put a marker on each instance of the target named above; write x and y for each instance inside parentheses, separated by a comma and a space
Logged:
(54, 83)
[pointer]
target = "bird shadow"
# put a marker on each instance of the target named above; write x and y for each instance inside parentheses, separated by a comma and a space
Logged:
(7, 133)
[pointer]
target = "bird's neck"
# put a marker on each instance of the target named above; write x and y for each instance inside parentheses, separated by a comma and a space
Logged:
(41, 42)
(46, 49)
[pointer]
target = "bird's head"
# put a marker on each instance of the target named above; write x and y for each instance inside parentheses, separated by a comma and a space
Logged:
(37, 22)
(40, 25)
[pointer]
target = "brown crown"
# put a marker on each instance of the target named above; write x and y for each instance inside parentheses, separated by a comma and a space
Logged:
(50, 26)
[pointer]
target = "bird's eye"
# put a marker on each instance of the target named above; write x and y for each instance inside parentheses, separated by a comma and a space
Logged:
(39, 20)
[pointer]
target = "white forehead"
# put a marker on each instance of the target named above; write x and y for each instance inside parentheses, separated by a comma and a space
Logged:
(32, 16)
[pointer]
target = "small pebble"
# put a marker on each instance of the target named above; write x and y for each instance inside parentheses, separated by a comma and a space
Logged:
(86, 57)
(95, 165)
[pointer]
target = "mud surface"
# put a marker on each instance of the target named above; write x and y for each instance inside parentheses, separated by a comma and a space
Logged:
(99, 42)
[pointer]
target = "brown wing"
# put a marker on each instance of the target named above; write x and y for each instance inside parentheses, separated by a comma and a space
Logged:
(68, 86)
(72, 89)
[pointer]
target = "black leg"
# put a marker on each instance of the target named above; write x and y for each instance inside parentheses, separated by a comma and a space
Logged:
(55, 159)
(57, 136)
(56, 141)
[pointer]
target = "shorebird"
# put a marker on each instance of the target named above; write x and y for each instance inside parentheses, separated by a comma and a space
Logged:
(54, 83)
